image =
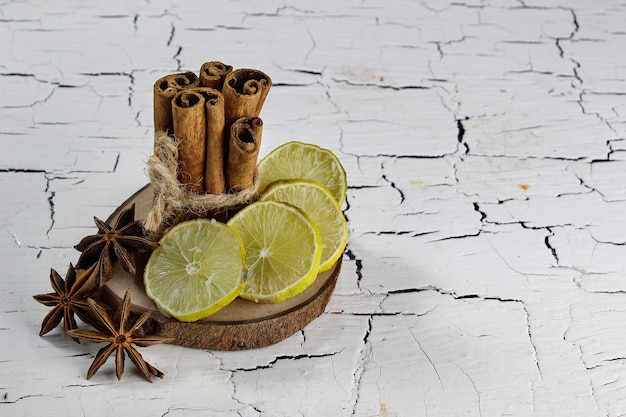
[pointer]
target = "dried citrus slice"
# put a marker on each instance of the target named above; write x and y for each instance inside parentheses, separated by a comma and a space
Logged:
(283, 250)
(297, 160)
(197, 269)
(317, 202)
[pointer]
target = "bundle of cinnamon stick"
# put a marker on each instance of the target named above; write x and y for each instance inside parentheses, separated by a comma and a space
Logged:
(215, 119)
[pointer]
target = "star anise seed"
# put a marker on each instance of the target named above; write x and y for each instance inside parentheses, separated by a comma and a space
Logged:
(120, 340)
(68, 298)
(116, 243)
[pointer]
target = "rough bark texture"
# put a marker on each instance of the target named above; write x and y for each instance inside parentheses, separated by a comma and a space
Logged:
(213, 73)
(164, 91)
(244, 144)
(188, 112)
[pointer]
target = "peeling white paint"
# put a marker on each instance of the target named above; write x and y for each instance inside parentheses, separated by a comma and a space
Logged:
(484, 144)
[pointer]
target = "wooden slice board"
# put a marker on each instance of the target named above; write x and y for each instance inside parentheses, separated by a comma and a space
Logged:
(240, 325)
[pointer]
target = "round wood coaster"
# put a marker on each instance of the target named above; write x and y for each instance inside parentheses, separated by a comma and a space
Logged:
(240, 325)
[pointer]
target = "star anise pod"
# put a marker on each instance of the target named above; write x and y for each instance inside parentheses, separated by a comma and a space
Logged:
(68, 298)
(120, 340)
(116, 243)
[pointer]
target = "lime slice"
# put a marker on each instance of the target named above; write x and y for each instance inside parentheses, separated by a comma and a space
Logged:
(317, 202)
(197, 269)
(297, 160)
(283, 250)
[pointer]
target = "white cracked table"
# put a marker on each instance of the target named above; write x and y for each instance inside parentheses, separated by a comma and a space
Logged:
(484, 143)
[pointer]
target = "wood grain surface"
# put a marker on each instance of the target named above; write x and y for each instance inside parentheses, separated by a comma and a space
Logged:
(241, 325)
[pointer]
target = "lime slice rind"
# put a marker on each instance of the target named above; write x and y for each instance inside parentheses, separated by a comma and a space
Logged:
(197, 269)
(317, 202)
(283, 250)
(297, 160)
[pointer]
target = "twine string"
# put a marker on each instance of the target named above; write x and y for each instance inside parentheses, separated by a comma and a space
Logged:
(172, 201)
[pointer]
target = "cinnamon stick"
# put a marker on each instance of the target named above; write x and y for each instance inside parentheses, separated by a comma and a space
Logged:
(189, 122)
(213, 73)
(165, 89)
(214, 181)
(245, 91)
(243, 149)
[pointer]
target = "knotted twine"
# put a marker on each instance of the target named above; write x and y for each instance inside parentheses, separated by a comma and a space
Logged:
(172, 202)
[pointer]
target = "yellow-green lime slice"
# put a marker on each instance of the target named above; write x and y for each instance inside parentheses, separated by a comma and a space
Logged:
(297, 160)
(283, 250)
(317, 202)
(197, 269)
